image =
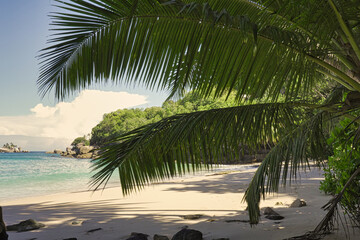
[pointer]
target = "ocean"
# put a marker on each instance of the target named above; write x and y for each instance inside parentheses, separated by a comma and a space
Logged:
(37, 173)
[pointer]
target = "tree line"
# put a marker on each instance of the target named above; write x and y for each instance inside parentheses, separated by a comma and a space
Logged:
(124, 120)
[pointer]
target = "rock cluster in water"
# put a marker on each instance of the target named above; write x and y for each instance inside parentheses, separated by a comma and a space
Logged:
(78, 151)
(12, 150)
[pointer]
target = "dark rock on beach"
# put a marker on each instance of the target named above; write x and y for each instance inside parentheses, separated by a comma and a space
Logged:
(160, 237)
(26, 225)
(138, 236)
(192, 216)
(3, 234)
(77, 222)
(274, 217)
(269, 211)
(237, 220)
(94, 230)
(271, 214)
(298, 203)
(188, 234)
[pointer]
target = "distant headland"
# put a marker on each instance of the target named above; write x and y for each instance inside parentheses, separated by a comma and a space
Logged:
(11, 148)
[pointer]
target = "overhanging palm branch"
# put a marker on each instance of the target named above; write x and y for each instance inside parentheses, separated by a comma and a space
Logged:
(242, 45)
(168, 147)
(189, 142)
(294, 150)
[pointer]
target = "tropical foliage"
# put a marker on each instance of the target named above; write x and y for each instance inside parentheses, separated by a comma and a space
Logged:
(123, 120)
(84, 140)
(261, 48)
(9, 145)
(341, 165)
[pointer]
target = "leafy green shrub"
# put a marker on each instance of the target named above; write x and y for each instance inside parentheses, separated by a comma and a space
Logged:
(83, 140)
(9, 145)
(341, 165)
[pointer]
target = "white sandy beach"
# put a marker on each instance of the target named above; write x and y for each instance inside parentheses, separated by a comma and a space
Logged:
(158, 210)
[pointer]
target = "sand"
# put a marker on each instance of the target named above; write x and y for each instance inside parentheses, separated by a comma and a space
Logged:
(159, 208)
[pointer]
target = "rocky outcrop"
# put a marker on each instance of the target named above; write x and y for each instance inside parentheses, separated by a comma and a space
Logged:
(78, 151)
(57, 151)
(5, 150)
(12, 150)
(85, 155)
(85, 149)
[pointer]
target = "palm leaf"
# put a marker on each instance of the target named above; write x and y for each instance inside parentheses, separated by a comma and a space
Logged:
(293, 151)
(188, 142)
(181, 45)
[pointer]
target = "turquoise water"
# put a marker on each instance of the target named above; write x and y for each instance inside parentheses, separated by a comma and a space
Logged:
(37, 173)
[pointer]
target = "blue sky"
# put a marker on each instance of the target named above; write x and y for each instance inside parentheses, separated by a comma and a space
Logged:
(23, 113)
(24, 25)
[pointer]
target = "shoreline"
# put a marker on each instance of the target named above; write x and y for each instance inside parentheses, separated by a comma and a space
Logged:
(83, 186)
(159, 208)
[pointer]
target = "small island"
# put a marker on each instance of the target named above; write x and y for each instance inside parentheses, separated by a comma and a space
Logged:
(11, 148)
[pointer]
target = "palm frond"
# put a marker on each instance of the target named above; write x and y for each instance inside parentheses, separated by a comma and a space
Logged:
(184, 45)
(293, 151)
(188, 142)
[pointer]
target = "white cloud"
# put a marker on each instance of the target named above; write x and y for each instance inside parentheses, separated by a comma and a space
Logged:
(68, 120)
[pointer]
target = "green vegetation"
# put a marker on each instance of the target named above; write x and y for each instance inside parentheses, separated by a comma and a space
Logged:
(9, 145)
(122, 121)
(83, 140)
(263, 49)
(342, 165)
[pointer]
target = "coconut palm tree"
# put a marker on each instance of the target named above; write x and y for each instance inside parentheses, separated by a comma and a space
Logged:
(276, 54)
